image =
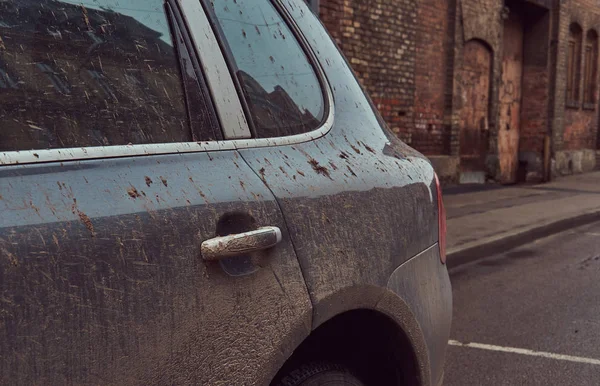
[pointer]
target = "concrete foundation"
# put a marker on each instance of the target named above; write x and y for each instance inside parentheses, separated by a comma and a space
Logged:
(573, 162)
(446, 167)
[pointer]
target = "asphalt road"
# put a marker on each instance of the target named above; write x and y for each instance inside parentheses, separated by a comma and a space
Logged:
(545, 297)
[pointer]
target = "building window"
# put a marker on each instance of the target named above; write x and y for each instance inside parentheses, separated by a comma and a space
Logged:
(590, 69)
(104, 83)
(574, 65)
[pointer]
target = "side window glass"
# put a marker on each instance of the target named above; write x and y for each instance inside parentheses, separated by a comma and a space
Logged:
(93, 73)
(57, 80)
(279, 83)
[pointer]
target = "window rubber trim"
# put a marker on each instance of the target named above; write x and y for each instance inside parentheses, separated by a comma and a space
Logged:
(310, 55)
(25, 157)
(177, 24)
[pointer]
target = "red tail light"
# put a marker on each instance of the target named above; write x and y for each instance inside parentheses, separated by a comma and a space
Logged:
(441, 221)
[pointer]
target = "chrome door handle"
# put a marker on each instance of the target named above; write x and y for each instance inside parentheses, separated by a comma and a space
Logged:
(240, 243)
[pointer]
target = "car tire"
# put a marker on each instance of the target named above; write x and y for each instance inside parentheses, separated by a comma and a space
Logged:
(320, 374)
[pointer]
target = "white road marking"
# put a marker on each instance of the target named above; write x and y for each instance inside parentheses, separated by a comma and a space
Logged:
(524, 351)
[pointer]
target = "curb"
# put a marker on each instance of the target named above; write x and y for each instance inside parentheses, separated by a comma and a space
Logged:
(493, 245)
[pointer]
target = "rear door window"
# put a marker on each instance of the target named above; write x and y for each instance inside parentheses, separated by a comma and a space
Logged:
(280, 86)
(93, 73)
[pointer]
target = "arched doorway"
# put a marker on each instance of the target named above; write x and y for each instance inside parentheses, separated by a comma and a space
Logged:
(474, 86)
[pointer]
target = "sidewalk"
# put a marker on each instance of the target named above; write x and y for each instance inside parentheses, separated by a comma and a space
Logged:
(486, 222)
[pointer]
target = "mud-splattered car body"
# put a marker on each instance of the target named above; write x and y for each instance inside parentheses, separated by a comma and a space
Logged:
(102, 280)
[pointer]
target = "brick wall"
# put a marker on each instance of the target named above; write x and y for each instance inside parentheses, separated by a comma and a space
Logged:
(579, 130)
(331, 13)
(379, 39)
(409, 56)
(535, 81)
(534, 109)
(580, 123)
(431, 135)
(407, 53)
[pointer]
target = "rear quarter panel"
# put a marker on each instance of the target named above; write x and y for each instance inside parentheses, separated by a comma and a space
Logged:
(358, 202)
(425, 286)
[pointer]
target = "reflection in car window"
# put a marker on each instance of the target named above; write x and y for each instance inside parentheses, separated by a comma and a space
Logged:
(279, 83)
(91, 73)
(6, 81)
(55, 78)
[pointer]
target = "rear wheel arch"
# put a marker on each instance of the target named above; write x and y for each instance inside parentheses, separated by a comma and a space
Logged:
(381, 342)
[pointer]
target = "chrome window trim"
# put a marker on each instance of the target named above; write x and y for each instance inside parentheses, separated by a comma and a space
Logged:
(121, 151)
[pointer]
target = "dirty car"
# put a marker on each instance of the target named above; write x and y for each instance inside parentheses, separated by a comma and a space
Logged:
(200, 192)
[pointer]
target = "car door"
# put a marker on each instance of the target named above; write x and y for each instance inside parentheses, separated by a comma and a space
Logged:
(115, 168)
(358, 202)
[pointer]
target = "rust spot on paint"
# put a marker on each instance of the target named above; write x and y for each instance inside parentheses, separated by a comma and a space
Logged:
(243, 185)
(319, 168)
(11, 258)
(163, 180)
(344, 155)
(355, 149)
(87, 222)
(262, 173)
(148, 180)
(133, 193)
(34, 207)
(283, 171)
(369, 148)
(300, 172)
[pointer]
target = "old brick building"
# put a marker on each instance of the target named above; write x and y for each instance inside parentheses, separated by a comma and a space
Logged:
(506, 90)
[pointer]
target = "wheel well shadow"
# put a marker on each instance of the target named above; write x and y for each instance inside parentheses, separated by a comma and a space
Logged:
(367, 342)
